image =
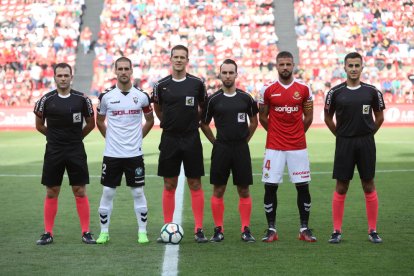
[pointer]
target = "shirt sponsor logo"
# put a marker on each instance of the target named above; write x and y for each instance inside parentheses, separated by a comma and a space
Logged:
(365, 109)
(287, 109)
(189, 101)
(125, 112)
(241, 117)
(116, 102)
(77, 118)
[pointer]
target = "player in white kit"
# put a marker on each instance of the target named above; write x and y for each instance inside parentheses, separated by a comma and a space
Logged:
(123, 106)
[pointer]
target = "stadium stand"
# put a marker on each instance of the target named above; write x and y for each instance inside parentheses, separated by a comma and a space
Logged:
(213, 31)
(383, 31)
(34, 35)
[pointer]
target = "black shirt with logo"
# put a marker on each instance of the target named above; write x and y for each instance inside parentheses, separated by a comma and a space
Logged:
(179, 102)
(353, 108)
(64, 116)
(230, 114)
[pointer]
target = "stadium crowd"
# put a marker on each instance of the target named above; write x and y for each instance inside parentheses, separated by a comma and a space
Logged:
(213, 31)
(381, 30)
(35, 35)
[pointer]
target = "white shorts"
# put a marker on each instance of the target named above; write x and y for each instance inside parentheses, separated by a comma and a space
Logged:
(297, 162)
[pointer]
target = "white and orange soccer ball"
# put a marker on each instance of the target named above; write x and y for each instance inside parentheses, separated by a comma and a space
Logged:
(172, 233)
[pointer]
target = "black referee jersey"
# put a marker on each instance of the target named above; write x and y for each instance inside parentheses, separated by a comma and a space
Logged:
(64, 116)
(179, 101)
(353, 108)
(230, 114)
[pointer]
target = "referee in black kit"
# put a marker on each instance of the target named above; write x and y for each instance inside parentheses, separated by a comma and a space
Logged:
(177, 103)
(65, 117)
(358, 108)
(232, 110)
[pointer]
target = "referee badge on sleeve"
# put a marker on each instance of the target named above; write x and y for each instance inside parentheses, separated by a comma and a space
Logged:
(77, 118)
(189, 101)
(241, 117)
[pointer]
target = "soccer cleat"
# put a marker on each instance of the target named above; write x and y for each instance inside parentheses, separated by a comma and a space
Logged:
(142, 238)
(306, 235)
(199, 236)
(87, 238)
(103, 238)
(336, 237)
(271, 235)
(247, 235)
(218, 235)
(45, 238)
(373, 237)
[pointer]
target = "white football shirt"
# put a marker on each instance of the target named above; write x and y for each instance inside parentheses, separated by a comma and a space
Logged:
(124, 120)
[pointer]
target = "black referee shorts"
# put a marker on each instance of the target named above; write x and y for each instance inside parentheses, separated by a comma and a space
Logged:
(113, 168)
(177, 148)
(234, 157)
(60, 157)
(351, 151)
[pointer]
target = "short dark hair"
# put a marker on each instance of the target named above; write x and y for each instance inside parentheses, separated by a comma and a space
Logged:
(284, 54)
(122, 59)
(229, 61)
(179, 47)
(352, 55)
(62, 65)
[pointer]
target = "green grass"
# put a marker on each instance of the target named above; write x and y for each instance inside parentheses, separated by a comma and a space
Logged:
(21, 155)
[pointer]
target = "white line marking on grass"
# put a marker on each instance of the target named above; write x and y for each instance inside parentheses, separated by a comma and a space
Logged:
(170, 264)
(153, 175)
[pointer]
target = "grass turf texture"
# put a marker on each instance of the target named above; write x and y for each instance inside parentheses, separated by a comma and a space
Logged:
(21, 155)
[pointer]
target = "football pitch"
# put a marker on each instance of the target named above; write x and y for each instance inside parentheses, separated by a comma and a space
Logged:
(21, 196)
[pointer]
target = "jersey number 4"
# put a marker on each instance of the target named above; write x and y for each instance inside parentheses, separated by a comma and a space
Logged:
(267, 165)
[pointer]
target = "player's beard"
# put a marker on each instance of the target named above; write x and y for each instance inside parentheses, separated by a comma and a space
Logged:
(285, 75)
(124, 80)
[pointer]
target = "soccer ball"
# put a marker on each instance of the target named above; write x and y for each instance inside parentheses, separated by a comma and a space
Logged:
(172, 233)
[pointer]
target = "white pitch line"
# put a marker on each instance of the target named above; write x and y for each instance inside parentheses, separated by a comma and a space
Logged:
(170, 264)
(153, 175)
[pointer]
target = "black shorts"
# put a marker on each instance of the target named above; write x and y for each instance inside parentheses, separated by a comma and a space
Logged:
(177, 148)
(113, 168)
(60, 157)
(351, 151)
(234, 157)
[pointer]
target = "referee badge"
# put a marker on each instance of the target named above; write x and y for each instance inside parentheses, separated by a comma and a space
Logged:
(241, 117)
(77, 118)
(139, 171)
(365, 109)
(189, 101)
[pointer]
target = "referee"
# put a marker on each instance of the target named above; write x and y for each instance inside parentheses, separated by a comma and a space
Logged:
(358, 108)
(177, 101)
(232, 110)
(65, 117)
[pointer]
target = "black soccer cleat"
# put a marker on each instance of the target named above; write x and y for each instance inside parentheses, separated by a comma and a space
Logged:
(336, 237)
(199, 236)
(87, 238)
(218, 235)
(247, 235)
(373, 237)
(45, 238)
(306, 235)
